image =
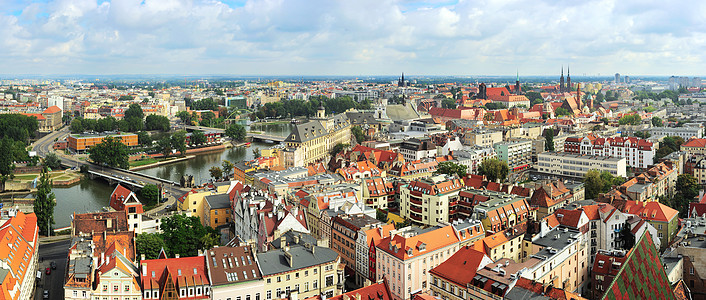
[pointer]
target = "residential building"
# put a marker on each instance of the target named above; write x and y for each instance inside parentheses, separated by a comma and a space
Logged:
(175, 278)
(377, 192)
(406, 256)
(638, 153)
(417, 149)
(577, 165)
(308, 269)
(52, 119)
(18, 254)
(499, 211)
(657, 181)
(344, 234)
(482, 137)
(84, 141)
(312, 141)
(605, 268)
(376, 291)
(234, 273)
(685, 132)
(217, 210)
(517, 154)
(664, 218)
(413, 169)
(549, 196)
(365, 255)
(117, 277)
(426, 200)
(694, 146)
(450, 280)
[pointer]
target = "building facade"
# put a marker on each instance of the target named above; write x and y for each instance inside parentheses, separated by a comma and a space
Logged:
(577, 165)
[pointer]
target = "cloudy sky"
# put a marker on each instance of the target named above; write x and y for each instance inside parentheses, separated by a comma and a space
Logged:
(352, 37)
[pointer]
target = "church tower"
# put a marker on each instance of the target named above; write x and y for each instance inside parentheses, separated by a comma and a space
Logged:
(568, 80)
(518, 90)
(481, 91)
(561, 80)
(401, 82)
(321, 112)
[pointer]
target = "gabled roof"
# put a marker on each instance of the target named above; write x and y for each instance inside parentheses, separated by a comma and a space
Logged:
(651, 211)
(461, 267)
(376, 291)
(52, 110)
(406, 247)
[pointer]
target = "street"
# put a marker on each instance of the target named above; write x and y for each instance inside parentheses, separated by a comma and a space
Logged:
(57, 252)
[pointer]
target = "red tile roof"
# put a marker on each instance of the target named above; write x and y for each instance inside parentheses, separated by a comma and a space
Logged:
(462, 266)
(377, 291)
(52, 110)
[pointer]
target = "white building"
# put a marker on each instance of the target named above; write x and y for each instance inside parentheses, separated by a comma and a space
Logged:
(638, 153)
(689, 130)
(577, 165)
(417, 149)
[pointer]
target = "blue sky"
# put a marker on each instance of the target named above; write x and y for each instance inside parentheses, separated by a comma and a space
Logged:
(360, 37)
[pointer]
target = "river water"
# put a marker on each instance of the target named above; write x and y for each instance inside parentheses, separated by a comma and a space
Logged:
(93, 195)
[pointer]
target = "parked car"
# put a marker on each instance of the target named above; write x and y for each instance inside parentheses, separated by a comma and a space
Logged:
(45, 295)
(168, 207)
(163, 200)
(53, 265)
(48, 271)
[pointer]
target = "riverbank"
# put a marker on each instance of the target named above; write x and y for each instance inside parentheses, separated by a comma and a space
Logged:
(23, 182)
(161, 163)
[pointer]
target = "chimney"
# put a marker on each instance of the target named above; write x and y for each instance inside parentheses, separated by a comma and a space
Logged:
(142, 257)
(176, 255)
(109, 223)
(283, 242)
(144, 269)
(102, 257)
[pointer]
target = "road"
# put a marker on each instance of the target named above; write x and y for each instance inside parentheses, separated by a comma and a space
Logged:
(59, 253)
(44, 146)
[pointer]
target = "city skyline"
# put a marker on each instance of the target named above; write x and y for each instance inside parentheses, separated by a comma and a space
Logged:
(360, 38)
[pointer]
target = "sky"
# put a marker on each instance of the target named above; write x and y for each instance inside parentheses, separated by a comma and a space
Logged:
(353, 37)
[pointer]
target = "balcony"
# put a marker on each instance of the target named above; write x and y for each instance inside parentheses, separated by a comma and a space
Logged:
(415, 217)
(415, 209)
(416, 201)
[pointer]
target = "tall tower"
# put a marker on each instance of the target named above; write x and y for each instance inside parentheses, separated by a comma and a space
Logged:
(568, 79)
(321, 112)
(561, 80)
(578, 95)
(518, 90)
(401, 82)
(481, 91)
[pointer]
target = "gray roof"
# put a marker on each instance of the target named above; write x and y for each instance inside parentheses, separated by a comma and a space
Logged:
(361, 117)
(401, 112)
(218, 201)
(306, 132)
(292, 236)
(273, 262)
(521, 293)
(556, 239)
(80, 267)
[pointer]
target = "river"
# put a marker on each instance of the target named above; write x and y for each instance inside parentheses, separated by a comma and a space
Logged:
(93, 195)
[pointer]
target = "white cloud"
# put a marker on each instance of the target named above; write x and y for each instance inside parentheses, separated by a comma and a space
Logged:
(308, 37)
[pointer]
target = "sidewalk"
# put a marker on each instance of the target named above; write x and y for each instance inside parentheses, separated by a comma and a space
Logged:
(54, 238)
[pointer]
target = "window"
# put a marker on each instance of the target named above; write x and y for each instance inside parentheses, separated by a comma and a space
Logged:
(306, 273)
(257, 296)
(105, 288)
(115, 288)
(691, 270)
(279, 279)
(329, 280)
(306, 286)
(269, 295)
(315, 285)
(269, 280)
(279, 293)
(316, 271)
(288, 277)
(127, 288)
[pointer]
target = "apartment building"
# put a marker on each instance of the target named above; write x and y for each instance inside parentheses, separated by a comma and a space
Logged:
(482, 137)
(19, 255)
(234, 273)
(498, 211)
(577, 165)
(83, 142)
(694, 146)
(308, 269)
(450, 280)
(664, 218)
(426, 200)
(175, 278)
(638, 153)
(659, 180)
(406, 256)
(365, 255)
(377, 192)
(549, 196)
(417, 149)
(517, 154)
(686, 132)
(344, 235)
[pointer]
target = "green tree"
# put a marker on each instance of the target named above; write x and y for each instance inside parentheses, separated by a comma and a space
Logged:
(494, 169)
(111, 152)
(7, 162)
(494, 105)
(338, 148)
(149, 244)
(150, 194)
(216, 172)
(184, 116)
(448, 103)
(76, 126)
(534, 97)
(52, 161)
(657, 122)
(204, 104)
(179, 141)
(134, 110)
(358, 134)
(451, 168)
(197, 137)
(562, 112)
(236, 132)
(381, 215)
(165, 146)
(44, 204)
(227, 168)
(256, 152)
(633, 119)
(593, 184)
(185, 235)
(155, 122)
(549, 140)
(668, 145)
(144, 139)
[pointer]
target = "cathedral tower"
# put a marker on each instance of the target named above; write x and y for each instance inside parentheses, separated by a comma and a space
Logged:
(561, 80)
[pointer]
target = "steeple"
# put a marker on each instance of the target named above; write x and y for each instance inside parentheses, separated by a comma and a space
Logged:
(401, 82)
(561, 80)
(568, 79)
(518, 90)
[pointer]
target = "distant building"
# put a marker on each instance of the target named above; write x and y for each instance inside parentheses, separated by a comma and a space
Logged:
(577, 165)
(83, 142)
(517, 154)
(426, 200)
(638, 153)
(312, 141)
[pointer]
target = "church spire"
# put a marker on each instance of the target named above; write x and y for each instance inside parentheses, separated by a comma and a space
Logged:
(561, 80)
(518, 90)
(568, 79)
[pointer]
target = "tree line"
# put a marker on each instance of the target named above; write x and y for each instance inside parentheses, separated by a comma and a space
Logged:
(296, 107)
(133, 121)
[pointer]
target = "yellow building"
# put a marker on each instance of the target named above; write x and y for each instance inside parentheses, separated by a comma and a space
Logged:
(192, 203)
(216, 210)
(312, 141)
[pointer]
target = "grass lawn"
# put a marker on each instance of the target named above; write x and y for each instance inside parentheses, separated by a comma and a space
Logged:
(145, 161)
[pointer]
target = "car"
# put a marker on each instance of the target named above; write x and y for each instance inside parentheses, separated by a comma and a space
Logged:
(53, 265)
(168, 207)
(163, 200)
(142, 182)
(45, 294)
(48, 271)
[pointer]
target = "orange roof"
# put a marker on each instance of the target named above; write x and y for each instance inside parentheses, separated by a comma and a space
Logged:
(701, 143)
(52, 110)
(651, 211)
(401, 247)
(461, 267)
